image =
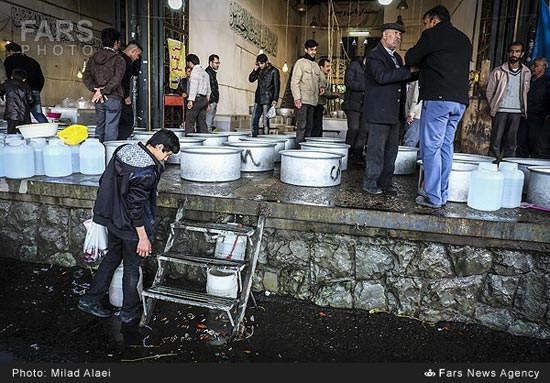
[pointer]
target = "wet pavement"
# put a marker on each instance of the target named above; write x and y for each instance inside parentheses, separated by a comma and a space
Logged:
(39, 322)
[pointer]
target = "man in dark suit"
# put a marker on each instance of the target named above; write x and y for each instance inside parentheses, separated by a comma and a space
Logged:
(385, 79)
(443, 54)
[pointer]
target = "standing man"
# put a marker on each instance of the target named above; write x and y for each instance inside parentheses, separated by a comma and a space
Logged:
(212, 70)
(443, 54)
(356, 136)
(385, 78)
(126, 205)
(197, 99)
(507, 95)
(103, 76)
(325, 94)
(538, 105)
(267, 92)
(304, 85)
(132, 56)
(17, 60)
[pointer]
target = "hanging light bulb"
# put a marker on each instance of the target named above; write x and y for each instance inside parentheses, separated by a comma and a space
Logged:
(354, 42)
(285, 67)
(79, 74)
(301, 6)
(403, 5)
(175, 4)
(261, 51)
(385, 2)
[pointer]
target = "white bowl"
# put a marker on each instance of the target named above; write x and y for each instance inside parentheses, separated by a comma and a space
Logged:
(47, 129)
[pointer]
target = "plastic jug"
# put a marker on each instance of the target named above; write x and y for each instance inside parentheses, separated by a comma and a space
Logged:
(19, 159)
(38, 144)
(486, 185)
(92, 157)
(75, 157)
(57, 159)
(115, 289)
(513, 184)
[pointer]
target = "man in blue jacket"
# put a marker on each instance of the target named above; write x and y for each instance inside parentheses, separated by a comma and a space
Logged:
(443, 54)
(385, 79)
(126, 205)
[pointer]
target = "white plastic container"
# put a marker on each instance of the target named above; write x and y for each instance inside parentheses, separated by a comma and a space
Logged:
(230, 246)
(222, 283)
(486, 185)
(115, 289)
(38, 144)
(57, 159)
(19, 160)
(513, 184)
(75, 157)
(92, 157)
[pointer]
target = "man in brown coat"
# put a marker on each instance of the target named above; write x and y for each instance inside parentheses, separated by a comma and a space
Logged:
(103, 76)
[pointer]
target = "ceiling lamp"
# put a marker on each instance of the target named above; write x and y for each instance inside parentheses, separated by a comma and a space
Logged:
(175, 4)
(402, 5)
(301, 6)
(314, 23)
(385, 2)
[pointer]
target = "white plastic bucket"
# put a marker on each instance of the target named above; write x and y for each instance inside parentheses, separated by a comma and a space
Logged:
(115, 289)
(221, 283)
(230, 246)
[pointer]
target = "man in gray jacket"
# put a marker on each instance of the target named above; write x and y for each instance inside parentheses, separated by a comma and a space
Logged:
(103, 76)
(507, 95)
(304, 85)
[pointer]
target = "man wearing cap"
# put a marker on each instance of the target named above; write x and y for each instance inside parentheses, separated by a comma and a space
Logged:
(443, 54)
(385, 78)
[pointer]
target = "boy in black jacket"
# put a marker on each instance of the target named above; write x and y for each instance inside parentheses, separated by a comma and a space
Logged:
(18, 100)
(126, 205)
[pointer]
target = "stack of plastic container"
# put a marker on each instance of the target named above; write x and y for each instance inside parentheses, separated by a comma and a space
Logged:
(513, 184)
(486, 185)
(38, 144)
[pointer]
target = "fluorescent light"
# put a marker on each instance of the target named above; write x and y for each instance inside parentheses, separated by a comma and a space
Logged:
(359, 33)
(385, 2)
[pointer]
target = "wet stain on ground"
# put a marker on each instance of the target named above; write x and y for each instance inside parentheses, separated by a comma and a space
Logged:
(39, 322)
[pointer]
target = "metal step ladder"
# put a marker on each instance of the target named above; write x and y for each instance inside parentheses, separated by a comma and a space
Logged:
(234, 308)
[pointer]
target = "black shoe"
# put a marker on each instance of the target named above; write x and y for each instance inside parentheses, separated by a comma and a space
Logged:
(127, 318)
(390, 189)
(94, 309)
(424, 201)
(373, 190)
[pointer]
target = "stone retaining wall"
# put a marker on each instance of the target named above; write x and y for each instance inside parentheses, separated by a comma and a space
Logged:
(504, 289)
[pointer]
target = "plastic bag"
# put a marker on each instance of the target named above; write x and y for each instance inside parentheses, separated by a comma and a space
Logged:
(271, 112)
(95, 243)
(73, 134)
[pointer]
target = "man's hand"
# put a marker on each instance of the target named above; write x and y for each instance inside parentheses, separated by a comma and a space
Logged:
(144, 247)
(128, 101)
(410, 118)
(189, 104)
(298, 103)
(321, 91)
(98, 96)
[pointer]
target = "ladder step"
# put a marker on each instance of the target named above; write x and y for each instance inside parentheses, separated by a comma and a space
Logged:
(214, 228)
(191, 298)
(202, 261)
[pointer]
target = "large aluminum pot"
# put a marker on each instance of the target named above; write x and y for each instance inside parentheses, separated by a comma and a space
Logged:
(524, 164)
(311, 168)
(326, 139)
(472, 158)
(331, 147)
(110, 147)
(405, 162)
(210, 163)
(185, 142)
(255, 156)
(290, 142)
(144, 135)
(211, 139)
(280, 144)
(235, 136)
(538, 191)
(459, 180)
